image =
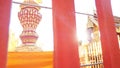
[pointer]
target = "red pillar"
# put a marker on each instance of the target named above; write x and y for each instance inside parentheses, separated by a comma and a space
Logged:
(5, 6)
(109, 40)
(65, 42)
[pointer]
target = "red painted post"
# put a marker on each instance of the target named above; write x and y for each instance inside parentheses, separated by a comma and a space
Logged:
(5, 6)
(110, 48)
(65, 42)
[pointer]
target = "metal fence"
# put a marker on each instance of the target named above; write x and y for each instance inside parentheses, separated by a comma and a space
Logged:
(92, 57)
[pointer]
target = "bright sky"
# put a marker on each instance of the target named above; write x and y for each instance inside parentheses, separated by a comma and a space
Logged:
(45, 30)
(115, 7)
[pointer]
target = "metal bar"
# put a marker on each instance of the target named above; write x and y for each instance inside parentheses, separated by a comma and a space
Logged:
(83, 65)
(48, 7)
(84, 13)
(31, 5)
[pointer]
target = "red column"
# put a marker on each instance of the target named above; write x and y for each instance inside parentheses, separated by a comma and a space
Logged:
(109, 40)
(4, 25)
(65, 42)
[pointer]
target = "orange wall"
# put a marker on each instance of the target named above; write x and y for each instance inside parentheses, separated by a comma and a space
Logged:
(30, 60)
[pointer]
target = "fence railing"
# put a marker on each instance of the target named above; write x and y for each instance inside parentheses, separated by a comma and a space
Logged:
(93, 56)
(93, 65)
